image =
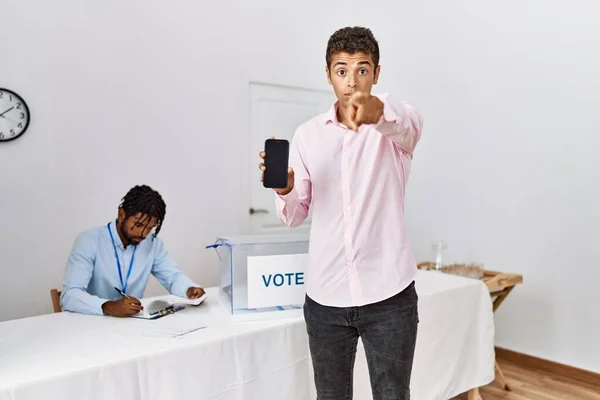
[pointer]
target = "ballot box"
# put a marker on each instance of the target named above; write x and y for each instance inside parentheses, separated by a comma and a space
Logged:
(262, 275)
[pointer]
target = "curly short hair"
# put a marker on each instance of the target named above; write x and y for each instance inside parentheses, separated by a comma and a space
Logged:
(352, 40)
(147, 201)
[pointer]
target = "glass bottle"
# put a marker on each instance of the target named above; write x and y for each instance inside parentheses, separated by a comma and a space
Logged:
(439, 248)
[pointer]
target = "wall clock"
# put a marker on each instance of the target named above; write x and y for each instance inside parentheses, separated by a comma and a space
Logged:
(14, 115)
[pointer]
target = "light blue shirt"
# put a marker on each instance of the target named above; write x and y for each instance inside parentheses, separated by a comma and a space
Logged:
(92, 270)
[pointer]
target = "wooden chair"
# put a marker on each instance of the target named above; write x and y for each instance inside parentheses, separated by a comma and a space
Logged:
(55, 295)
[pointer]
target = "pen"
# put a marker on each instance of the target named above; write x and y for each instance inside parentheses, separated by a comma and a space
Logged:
(121, 292)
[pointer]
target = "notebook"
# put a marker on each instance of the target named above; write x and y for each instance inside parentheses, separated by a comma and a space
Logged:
(159, 306)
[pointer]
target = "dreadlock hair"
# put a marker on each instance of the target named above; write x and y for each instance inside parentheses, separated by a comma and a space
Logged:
(352, 40)
(143, 199)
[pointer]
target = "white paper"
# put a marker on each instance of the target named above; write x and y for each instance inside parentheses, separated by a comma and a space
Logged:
(276, 280)
(174, 326)
(152, 304)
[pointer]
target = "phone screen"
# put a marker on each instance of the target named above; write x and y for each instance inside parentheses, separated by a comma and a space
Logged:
(276, 163)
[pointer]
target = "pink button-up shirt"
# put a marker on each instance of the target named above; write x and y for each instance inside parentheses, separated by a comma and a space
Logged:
(354, 183)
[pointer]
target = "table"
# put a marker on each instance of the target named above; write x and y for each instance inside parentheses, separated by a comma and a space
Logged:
(72, 356)
(455, 341)
(499, 285)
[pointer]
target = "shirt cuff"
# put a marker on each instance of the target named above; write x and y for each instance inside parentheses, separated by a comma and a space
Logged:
(181, 286)
(290, 197)
(389, 112)
(97, 306)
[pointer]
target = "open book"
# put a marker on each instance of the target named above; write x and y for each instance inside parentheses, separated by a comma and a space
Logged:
(158, 306)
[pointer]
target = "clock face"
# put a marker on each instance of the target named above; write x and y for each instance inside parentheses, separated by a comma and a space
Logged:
(14, 115)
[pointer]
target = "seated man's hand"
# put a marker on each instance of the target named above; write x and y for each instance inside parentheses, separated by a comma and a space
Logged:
(125, 307)
(195, 292)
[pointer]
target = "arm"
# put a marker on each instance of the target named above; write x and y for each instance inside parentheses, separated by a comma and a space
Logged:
(78, 274)
(168, 274)
(401, 123)
(292, 208)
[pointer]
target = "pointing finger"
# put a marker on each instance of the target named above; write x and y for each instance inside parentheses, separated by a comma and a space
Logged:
(352, 125)
(360, 115)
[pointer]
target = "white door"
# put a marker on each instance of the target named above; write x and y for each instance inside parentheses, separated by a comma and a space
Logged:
(277, 110)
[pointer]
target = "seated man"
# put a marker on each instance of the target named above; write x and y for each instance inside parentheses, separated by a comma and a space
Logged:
(120, 256)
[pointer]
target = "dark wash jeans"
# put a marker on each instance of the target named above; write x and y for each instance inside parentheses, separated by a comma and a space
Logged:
(388, 330)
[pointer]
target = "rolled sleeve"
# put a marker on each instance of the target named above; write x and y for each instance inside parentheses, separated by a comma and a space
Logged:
(401, 122)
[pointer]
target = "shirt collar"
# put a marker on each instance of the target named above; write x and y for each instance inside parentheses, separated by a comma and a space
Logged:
(115, 234)
(331, 115)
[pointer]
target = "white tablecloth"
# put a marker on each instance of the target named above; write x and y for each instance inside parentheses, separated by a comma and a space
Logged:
(455, 339)
(71, 356)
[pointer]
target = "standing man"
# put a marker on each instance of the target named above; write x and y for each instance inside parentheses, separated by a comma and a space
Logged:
(351, 165)
(121, 256)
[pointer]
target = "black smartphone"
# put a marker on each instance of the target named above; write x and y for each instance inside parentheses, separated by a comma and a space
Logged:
(276, 162)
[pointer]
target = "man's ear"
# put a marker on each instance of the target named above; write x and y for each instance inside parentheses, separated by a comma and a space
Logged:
(376, 78)
(328, 76)
(121, 215)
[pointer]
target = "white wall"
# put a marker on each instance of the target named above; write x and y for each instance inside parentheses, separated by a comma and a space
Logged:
(504, 172)
(157, 88)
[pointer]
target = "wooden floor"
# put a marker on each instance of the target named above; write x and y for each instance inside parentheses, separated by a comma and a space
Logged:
(537, 385)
